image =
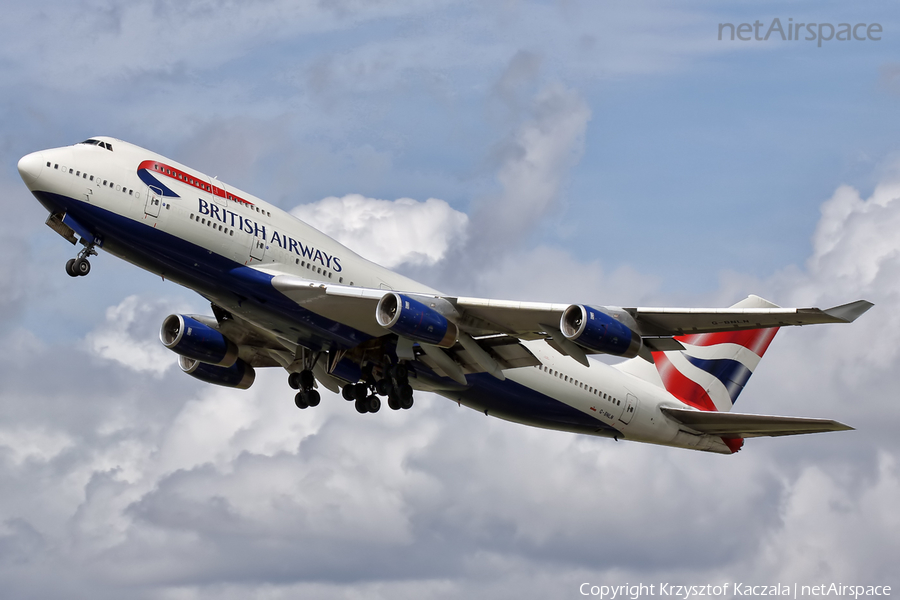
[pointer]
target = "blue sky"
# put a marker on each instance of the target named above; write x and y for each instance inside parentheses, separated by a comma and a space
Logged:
(607, 152)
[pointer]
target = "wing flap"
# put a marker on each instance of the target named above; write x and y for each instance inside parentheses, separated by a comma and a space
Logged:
(729, 424)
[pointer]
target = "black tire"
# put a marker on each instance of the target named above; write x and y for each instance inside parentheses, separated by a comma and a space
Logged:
(70, 271)
(405, 392)
(307, 380)
(406, 404)
(393, 402)
(383, 387)
(348, 392)
(294, 381)
(401, 373)
(300, 401)
(374, 403)
(360, 391)
(361, 406)
(81, 267)
(313, 398)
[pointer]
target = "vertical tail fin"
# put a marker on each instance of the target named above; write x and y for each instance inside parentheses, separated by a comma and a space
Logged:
(712, 370)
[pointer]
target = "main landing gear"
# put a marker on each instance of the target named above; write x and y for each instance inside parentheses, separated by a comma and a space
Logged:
(392, 381)
(394, 385)
(304, 381)
(80, 266)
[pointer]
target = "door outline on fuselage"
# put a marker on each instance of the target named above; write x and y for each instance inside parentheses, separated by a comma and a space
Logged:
(631, 404)
(154, 200)
(257, 248)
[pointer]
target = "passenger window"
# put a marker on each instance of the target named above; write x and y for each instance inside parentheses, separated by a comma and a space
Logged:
(92, 178)
(77, 173)
(70, 171)
(56, 166)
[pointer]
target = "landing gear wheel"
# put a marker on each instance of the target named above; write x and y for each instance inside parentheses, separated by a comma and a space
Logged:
(383, 387)
(69, 270)
(373, 403)
(312, 397)
(348, 393)
(294, 381)
(81, 267)
(300, 401)
(361, 406)
(406, 403)
(401, 373)
(307, 379)
(405, 392)
(360, 391)
(394, 402)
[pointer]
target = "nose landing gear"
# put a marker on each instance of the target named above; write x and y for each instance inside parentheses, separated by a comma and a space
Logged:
(80, 266)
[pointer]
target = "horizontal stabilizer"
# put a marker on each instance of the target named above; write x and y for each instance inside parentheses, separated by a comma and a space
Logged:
(849, 312)
(734, 425)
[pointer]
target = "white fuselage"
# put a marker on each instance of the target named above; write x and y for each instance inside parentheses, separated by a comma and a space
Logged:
(192, 229)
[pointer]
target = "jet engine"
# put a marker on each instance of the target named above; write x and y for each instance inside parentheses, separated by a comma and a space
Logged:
(411, 319)
(597, 331)
(190, 338)
(240, 375)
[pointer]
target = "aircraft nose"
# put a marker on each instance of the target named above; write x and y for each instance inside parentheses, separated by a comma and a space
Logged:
(30, 167)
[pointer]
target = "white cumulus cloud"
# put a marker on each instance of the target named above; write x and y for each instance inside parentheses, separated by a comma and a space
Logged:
(391, 233)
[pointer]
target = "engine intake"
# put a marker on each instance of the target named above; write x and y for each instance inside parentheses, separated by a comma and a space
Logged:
(240, 375)
(597, 331)
(189, 337)
(412, 319)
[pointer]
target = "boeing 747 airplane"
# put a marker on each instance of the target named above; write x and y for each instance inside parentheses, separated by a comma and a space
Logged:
(284, 294)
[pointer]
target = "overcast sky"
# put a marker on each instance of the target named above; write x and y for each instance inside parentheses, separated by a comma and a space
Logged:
(609, 152)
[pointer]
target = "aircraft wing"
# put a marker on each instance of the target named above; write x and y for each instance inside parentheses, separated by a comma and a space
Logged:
(729, 424)
(355, 306)
(680, 321)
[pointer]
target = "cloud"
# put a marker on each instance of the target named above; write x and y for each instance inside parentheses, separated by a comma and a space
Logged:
(391, 233)
(232, 488)
(125, 337)
(533, 164)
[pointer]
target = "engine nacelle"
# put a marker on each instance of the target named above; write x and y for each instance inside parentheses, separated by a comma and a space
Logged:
(597, 331)
(410, 318)
(189, 337)
(240, 375)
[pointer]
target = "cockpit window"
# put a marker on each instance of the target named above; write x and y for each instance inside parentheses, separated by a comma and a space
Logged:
(94, 142)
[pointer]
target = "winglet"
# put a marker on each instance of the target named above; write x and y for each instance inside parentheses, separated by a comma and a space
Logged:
(849, 312)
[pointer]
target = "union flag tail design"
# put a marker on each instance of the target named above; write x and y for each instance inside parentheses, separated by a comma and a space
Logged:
(712, 370)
